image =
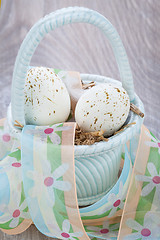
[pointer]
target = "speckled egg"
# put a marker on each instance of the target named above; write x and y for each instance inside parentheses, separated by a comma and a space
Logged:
(46, 98)
(103, 107)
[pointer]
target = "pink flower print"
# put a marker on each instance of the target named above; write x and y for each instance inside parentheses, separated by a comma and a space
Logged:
(6, 137)
(14, 212)
(50, 181)
(153, 180)
(55, 139)
(154, 143)
(4, 133)
(51, 132)
(65, 232)
(148, 231)
(10, 163)
(105, 231)
(43, 132)
(115, 202)
(8, 142)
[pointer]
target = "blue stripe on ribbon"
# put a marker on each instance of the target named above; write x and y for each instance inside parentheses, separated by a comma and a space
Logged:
(28, 165)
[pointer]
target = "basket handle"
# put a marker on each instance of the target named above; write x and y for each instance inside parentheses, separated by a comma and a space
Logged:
(49, 23)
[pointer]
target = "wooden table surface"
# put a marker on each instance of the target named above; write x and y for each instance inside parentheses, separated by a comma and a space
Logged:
(83, 48)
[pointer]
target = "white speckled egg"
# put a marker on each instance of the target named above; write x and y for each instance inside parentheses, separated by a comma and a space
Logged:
(105, 107)
(46, 98)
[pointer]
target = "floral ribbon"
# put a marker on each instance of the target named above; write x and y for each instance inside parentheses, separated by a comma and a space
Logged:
(38, 183)
(48, 173)
(141, 215)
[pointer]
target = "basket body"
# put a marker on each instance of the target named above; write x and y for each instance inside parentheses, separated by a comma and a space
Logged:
(97, 166)
(96, 173)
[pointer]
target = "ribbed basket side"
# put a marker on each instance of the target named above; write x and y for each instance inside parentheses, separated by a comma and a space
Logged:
(96, 174)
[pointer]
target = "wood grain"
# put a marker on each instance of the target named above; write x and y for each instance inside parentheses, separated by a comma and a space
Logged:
(83, 48)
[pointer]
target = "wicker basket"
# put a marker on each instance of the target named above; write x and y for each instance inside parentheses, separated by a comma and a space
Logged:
(97, 166)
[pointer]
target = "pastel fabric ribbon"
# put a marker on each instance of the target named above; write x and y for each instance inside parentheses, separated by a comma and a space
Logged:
(48, 188)
(14, 215)
(141, 215)
(38, 183)
(49, 180)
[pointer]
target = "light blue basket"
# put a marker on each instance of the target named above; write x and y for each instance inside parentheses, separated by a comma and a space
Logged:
(97, 166)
